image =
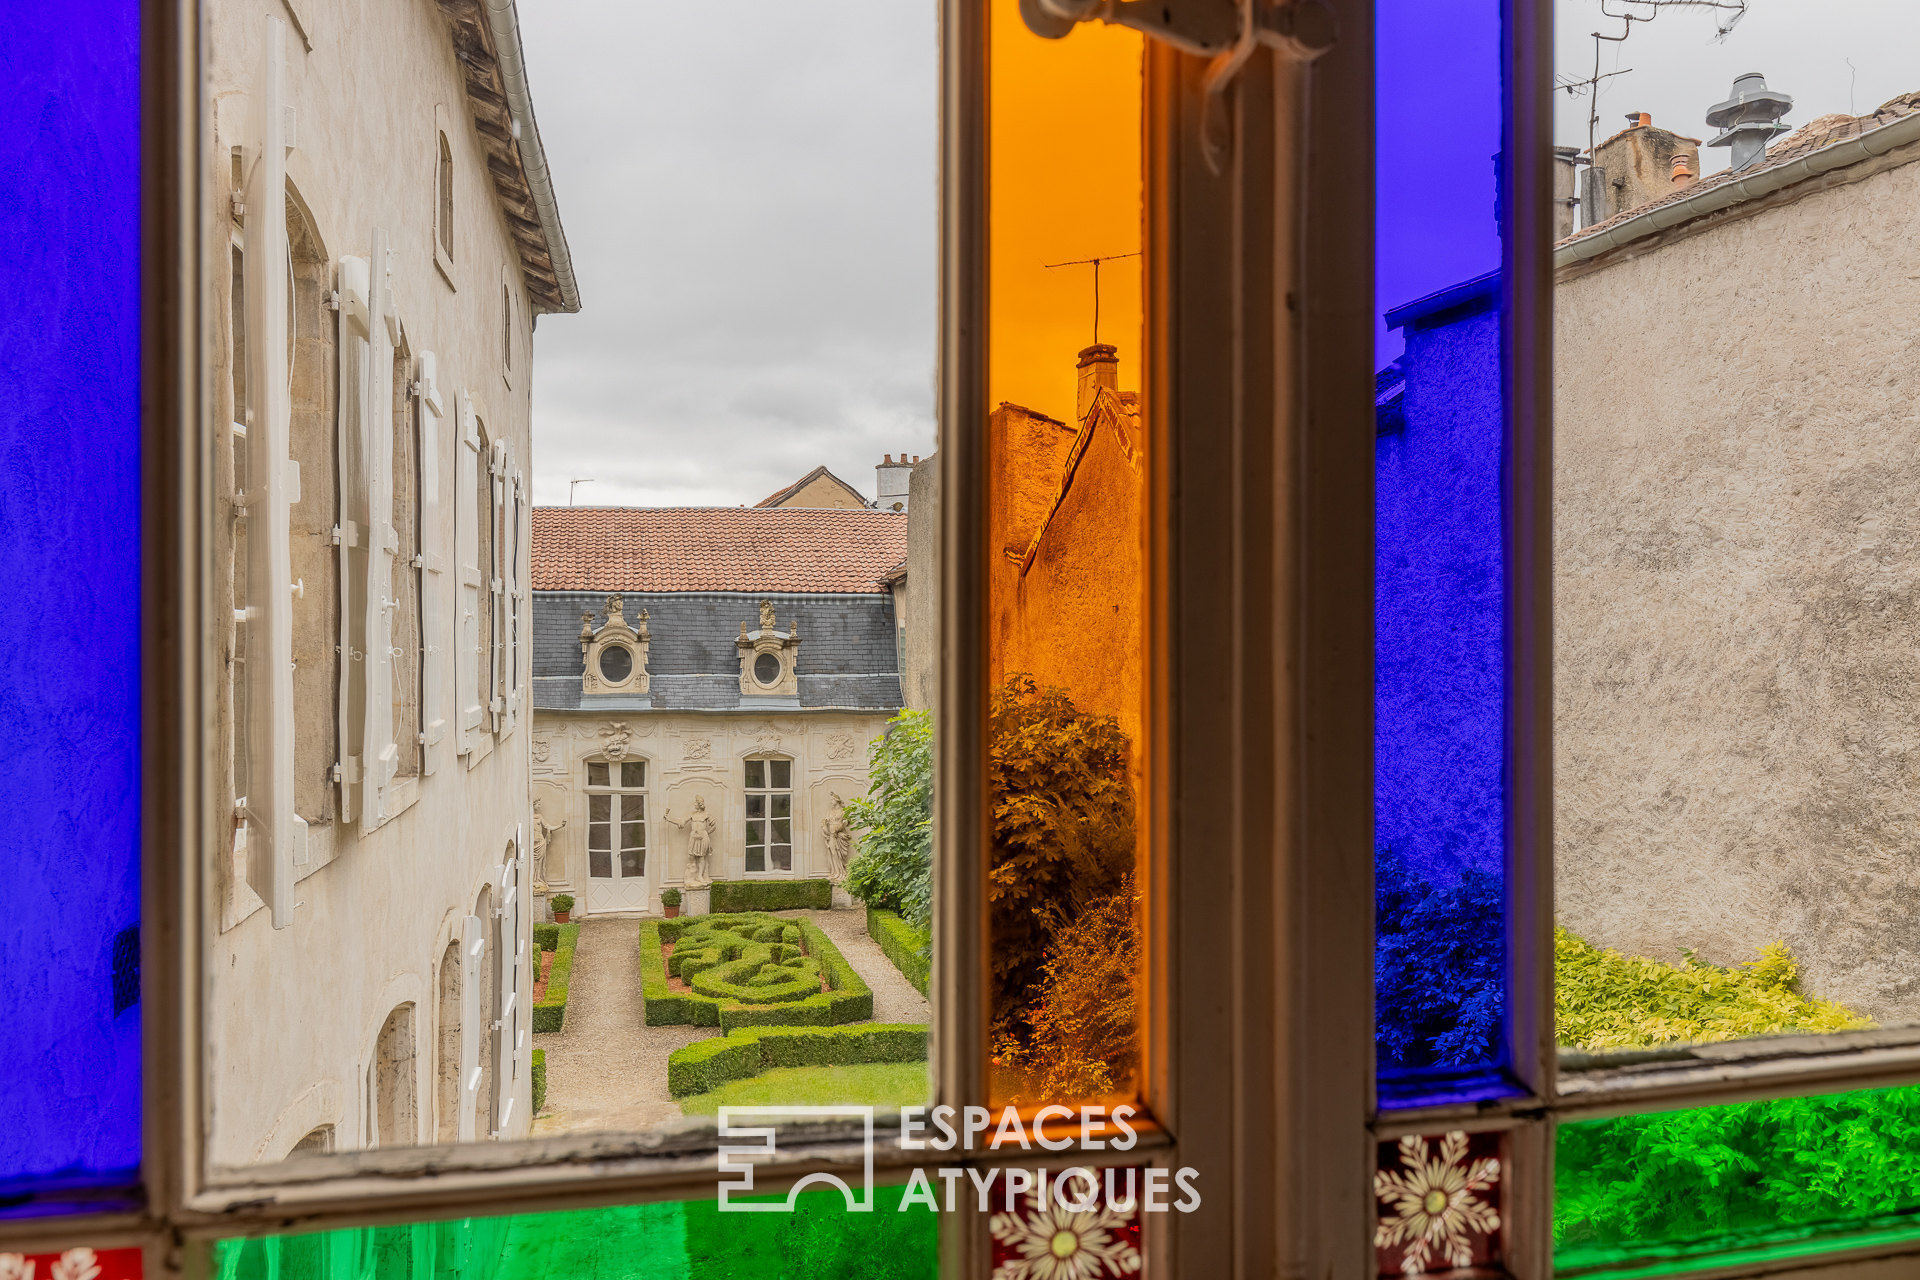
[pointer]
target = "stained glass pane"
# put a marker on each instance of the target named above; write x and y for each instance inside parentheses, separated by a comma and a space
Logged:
(1437, 1202)
(70, 487)
(78, 1263)
(688, 1240)
(1713, 1186)
(1439, 702)
(1067, 537)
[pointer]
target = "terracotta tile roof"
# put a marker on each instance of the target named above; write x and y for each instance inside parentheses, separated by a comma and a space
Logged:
(800, 549)
(1809, 137)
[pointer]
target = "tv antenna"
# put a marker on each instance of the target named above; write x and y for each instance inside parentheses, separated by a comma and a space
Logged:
(1095, 263)
(1641, 11)
(571, 486)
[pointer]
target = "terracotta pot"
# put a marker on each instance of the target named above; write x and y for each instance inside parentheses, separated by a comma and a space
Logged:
(673, 911)
(561, 917)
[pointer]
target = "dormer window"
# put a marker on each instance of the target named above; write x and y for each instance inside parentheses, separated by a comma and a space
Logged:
(614, 657)
(769, 658)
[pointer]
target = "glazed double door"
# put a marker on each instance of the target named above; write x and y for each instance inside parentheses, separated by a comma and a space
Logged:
(617, 853)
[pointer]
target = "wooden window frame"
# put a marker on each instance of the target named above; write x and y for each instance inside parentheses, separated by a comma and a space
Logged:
(614, 823)
(791, 792)
(1259, 987)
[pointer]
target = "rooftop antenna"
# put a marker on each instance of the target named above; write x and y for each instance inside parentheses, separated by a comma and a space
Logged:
(571, 486)
(1643, 11)
(1081, 262)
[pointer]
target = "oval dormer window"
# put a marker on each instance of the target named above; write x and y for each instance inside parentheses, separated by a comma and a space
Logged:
(766, 669)
(616, 663)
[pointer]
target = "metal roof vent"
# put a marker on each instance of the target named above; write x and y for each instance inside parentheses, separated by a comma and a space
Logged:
(1749, 120)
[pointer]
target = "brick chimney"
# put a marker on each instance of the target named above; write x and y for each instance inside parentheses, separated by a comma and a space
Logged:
(1099, 367)
(890, 483)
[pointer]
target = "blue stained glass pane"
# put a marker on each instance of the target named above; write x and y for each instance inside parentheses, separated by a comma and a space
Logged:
(70, 607)
(1440, 889)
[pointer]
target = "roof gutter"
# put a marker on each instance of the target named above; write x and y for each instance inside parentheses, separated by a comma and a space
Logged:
(1839, 155)
(505, 24)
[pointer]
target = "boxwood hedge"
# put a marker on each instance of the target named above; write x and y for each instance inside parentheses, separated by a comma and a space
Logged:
(539, 1080)
(551, 1013)
(748, 969)
(903, 944)
(708, 1064)
(770, 895)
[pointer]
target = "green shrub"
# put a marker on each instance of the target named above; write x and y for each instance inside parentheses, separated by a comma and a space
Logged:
(539, 1080)
(903, 944)
(1604, 1000)
(894, 869)
(551, 1013)
(562, 902)
(669, 897)
(707, 1064)
(769, 895)
(546, 936)
(1084, 1020)
(1063, 829)
(714, 953)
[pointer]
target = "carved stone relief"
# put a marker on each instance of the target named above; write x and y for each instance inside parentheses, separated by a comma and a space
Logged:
(840, 746)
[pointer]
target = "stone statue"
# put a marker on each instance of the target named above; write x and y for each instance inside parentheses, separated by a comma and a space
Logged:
(700, 829)
(839, 840)
(766, 615)
(542, 834)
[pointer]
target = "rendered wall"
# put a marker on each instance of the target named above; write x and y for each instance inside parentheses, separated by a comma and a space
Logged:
(294, 1014)
(1737, 593)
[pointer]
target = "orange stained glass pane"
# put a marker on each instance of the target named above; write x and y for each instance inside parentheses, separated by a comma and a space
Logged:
(1068, 471)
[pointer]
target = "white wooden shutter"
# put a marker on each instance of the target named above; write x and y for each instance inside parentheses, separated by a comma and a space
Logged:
(516, 614)
(497, 591)
(380, 757)
(354, 534)
(473, 950)
(436, 632)
(506, 1042)
(466, 487)
(274, 480)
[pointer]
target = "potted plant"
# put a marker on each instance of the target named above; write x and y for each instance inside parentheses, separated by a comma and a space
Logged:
(562, 905)
(670, 899)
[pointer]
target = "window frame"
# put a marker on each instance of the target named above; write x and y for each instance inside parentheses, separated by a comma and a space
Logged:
(769, 791)
(445, 206)
(1261, 703)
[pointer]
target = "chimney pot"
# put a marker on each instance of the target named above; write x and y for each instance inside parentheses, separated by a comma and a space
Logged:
(1099, 367)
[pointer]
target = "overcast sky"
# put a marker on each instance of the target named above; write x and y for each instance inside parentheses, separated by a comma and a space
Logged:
(1678, 69)
(748, 191)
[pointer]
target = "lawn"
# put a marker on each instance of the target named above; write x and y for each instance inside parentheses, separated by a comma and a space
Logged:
(883, 1084)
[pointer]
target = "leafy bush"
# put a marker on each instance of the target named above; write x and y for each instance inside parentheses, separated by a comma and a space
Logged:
(1063, 829)
(903, 944)
(707, 1064)
(551, 1013)
(712, 952)
(562, 902)
(546, 936)
(770, 895)
(894, 869)
(1604, 1000)
(1439, 989)
(1756, 1168)
(669, 897)
(1084, 1040)
(539, 1080)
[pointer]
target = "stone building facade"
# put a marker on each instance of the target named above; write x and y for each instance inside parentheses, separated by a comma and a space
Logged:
(382, 235)
(1737, 567)
(706, 683)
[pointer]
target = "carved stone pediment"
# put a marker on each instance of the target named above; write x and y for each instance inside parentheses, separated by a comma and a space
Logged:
(616, 654)
(769, 658)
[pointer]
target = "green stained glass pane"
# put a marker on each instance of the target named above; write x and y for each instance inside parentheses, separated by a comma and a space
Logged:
(1716, 1186)
(819, 1240)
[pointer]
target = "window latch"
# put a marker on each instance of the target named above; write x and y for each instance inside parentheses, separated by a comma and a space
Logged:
(238, 202)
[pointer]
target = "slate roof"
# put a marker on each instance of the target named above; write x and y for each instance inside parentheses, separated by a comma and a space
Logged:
(750, 549)
(1809, 137)
(848, 655)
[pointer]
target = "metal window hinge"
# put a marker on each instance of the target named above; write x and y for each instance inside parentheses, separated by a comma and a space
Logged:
(336, 535)
(238, 203)
(333, 300)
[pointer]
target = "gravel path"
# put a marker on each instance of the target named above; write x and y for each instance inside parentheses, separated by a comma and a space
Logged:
(607, 1070)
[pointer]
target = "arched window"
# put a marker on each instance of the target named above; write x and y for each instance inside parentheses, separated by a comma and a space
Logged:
(443, 208)
(394, 1119)
(769, 786)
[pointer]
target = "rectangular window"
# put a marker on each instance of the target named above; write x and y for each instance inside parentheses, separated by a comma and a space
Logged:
(616, 832)
(769, 815)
